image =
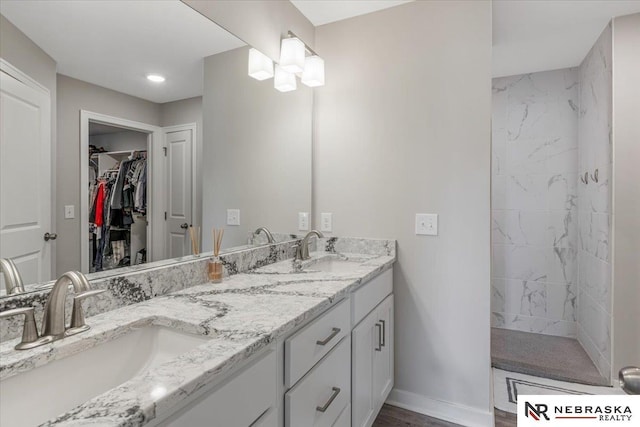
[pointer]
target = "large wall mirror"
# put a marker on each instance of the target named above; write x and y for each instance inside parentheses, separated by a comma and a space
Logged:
(103, 169)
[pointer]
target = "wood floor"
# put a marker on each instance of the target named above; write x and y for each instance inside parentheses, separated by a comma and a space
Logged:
(391, 416)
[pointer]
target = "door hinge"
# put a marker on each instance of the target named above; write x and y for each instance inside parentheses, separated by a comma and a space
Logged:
(164, 150)
(165, 216)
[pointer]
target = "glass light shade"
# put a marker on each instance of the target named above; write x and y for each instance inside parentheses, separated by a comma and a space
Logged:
(284, 81)
(292, 55)
(313, 74)
(260, 65)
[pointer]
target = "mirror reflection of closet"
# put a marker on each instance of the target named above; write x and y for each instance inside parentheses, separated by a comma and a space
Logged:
(118, 197)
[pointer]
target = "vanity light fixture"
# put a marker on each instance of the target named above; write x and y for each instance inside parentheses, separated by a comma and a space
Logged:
(292, 52)
(284, 81)
(260, 65)
(156, 78)
(293, 61)
(313, 73)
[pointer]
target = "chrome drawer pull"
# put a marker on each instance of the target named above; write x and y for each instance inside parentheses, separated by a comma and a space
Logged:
(379, 326)
(384, 334)
(335, 331)
(336, 392)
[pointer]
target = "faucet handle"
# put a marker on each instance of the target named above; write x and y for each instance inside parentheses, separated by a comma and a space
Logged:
(77, 315)
(29, 330)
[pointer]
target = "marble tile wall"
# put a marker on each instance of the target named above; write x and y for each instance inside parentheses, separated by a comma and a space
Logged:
(594, 203)
(534, 202)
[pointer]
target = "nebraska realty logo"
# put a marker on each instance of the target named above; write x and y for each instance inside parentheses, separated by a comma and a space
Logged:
(578, 410)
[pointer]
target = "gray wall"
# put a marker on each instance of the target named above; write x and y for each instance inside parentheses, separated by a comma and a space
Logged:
(256, 153)
(17, 49)
(626, 192)
(120, 141)
(594, 204)
(403, 127)
(180, 113)
(258, 23)
(73, 96)
(534, 212)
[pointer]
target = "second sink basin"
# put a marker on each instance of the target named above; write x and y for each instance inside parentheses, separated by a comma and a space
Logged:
(333, 265)
(35, 396)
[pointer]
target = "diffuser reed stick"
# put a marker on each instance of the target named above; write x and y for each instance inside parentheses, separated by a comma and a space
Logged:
(215, 265)
(195, 245)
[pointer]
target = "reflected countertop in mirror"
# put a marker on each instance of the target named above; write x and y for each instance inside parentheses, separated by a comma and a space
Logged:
(212, 138)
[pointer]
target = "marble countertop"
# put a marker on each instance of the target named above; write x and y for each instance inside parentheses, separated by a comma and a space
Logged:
(242, 315)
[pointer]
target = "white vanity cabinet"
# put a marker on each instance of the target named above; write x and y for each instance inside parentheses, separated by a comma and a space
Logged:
(372, 360)
(248, 398)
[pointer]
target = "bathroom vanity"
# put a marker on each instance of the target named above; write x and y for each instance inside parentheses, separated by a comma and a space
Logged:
(281, 344)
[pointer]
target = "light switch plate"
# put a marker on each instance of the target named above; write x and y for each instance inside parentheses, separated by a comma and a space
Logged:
(69, 212)
(427, 224)
(233, 216)
(303, 221)
(326, 222)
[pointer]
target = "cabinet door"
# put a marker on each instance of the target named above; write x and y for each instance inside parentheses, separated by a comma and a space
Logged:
(364, 341)
(383, 360)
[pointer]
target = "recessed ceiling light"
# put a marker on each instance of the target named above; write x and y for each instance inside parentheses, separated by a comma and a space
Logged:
(156, 78)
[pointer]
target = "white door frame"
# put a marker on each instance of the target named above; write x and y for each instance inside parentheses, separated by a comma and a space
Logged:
(16, 73)
(193, 127)
(155, 169)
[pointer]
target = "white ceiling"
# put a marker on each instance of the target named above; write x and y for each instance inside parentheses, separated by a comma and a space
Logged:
(115, 44)
(539, 35)
(321, 12)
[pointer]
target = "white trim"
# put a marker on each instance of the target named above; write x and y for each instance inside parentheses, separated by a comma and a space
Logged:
(448, 411)
(15, 72)
(155, 247)
(193, 127)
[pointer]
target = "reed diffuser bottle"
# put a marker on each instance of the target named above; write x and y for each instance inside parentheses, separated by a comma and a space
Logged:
(215, 265)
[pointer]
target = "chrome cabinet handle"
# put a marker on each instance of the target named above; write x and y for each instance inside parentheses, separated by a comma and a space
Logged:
(335, 331)
(379, 326)
(336, 392)
(384, 334)
(184, 226)
(50, 236)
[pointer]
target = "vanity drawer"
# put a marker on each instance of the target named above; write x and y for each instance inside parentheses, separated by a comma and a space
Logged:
(307, 346)
(248, 398)
(344, 420)
(321, 396)
(369, 295)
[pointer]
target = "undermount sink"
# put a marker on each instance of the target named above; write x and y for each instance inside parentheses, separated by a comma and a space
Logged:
(333, 265)
(35, 396)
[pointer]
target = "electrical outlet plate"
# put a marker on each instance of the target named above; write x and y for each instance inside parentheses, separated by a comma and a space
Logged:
(326, 222)
(427, 224)
(303, 221)
(233, 216)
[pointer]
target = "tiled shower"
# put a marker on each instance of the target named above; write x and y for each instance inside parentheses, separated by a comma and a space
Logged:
(551, 168)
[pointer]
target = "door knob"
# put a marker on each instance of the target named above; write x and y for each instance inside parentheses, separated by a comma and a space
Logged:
(50, 236)
(184, 226)
(630, 379)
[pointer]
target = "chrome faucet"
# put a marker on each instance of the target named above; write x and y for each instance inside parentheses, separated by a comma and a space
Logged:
(266, 232)
(302, 251)
(12, 278)
(54, 320)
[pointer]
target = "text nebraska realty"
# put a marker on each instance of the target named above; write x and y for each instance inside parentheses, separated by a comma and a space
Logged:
(601, 413)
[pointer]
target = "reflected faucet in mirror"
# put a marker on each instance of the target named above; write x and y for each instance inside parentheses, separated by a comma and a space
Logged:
(12, 278)
(54, 320)
(302, 252)
(266, 232)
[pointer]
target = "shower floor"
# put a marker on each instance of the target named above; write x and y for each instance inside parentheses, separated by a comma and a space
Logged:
(547, 356)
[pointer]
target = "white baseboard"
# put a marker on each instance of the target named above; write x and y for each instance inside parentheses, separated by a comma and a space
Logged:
(459, 414)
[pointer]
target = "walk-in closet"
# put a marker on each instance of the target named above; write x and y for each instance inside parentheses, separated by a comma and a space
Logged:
(118, 197)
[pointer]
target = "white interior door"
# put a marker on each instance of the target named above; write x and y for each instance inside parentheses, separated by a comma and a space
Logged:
(25, 178)
(179, 214)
